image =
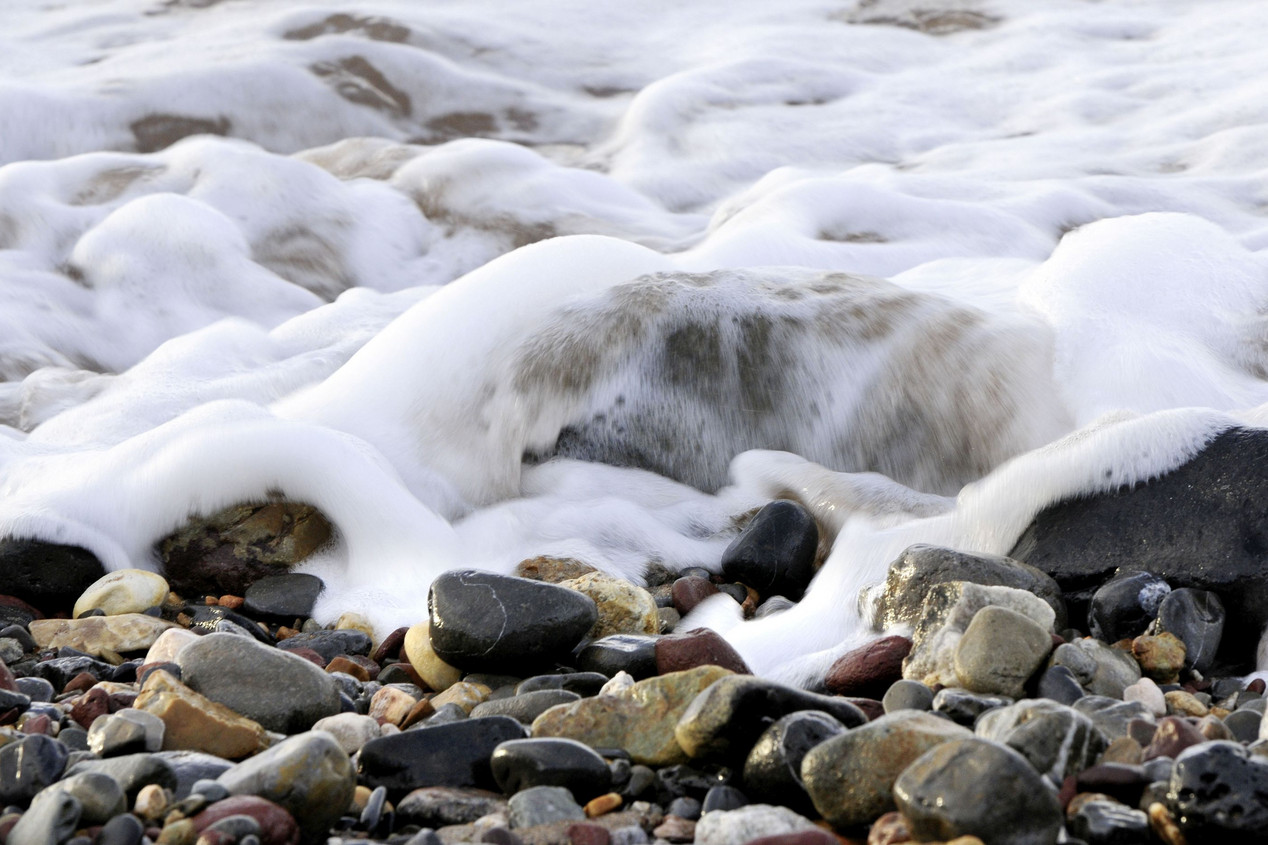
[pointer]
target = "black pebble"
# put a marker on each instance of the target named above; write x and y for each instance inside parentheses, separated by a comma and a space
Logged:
(775, 553)
(632, 653)
(1124, 606)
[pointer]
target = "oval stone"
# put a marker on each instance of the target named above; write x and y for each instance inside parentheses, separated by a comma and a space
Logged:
(523, 763)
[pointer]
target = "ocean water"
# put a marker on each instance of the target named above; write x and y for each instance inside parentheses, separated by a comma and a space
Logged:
(485, 281)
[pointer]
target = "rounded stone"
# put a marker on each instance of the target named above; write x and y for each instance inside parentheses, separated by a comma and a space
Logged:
(272, 823)
(524, 707)
(286, 596)
(1125, 605)
(522, 763)
(973, 787)
(624, 608)
(482, 621)
(454, 754)
(999, 651)
(1057, 740)
(775, 553)
(123, 591)
(435, 672)
(538, 805)
(907, 695)
(742, 825)
(689, 590)
(28, 766)
(633, 654)
(100, 796)
(1217, 790)
(697, 647)
(870, 670)
(1197, 618)
(772, 771)
(350, 730)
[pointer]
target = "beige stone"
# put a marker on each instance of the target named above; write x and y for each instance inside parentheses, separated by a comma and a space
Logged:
(391, 705)
(195, 723)
(466, 695)
(169, 644)
(123, 591)
(624, 608)
(435, 672)
(352, 621)
(98, 635)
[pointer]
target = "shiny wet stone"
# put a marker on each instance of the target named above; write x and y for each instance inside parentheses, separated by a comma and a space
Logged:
(775, 553)
(522, 763)
(454, 754)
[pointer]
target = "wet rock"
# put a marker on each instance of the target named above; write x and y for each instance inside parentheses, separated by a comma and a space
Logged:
(123, 591)
(1197, 618)
(870, 670)
(196, 771)
(543, 805)
(640, 718)
(286, 596)
(898, 601)
(435, 672)
(977, 788)
(583, 683)
(1099, 669)
(630, 653)
(624, 608)
(47, 574)
(231, 549)
(1110, 715)
(1057, 740)
(97, 635)
(552, 570)
(727, 718)
(775, 553)
(1103, 822)
(964, 707)
(526, 707)
(948, 610)
(689, 590)
(850, 778)
(523, 763)
(308, 775)
(772, 771)
(278, 690)
(698, 647)
(454, 754)
(1217, 790)
(999, 651)
(273, 824)
(1195, 526)
(437, 806)
(28, 766)
(482, 621)
(723, 797)
(126, 732)
(132, 772)
(193, 722)
(1059, 684)
(60, 670)
(742, 825)
(1124, 606)
(330, 644)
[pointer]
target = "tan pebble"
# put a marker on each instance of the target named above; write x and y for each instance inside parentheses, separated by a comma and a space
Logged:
(180, 832)
(184, 620)
(1161, 656)
(169, 644)
(1077, 802)
(195, 723)
(1124, 750)
(210, 600)
(965, 840)
(1213, 728)
(1181, 703)
(360, 797)
(152, 802)
(388, 729)
(348, 667)
(123, 591)
(465, 694)
(390, 706)
(603, 804)
(1164, 826)
(435, 672)
(284, 633)
(351, 621)
(1220, 712)
(675, 829)
(421, 710)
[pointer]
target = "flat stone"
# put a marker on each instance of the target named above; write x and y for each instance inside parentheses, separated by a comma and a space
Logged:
(308, 775)
(391, 706)
(196, 771)
(624, 608)
(584, 684)
(775, 552)
(435, 672)
(1108, 821)
(454, 754)
(1217, 790)
(727, 718)
(772, 771)
(194, 722)
(870, 670)
(909, 579)
(742, 825)
(47, 574)
(96, 635)
(123, 591)
(437, 806)
(464, 694)
(524, 763)
(999, 651)
(640, 718)
(964, 707)
(525, 707)
(481, 621)
(697, 647)
(286, 596)
(168, 645)
(1197, 618)
(539, 805)
(850, 778)
(973, 787)
(1055, 739)
(281, 692)
(552, 570)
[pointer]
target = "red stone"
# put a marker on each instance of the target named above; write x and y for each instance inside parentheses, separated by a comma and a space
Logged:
(121, 701)
(1258, 685)
(277, 826)
(689, 591)
(583, 833)
(309, 655)
(82, 681)
(698, 647)
(7, 680)
(89, 707)
(391, 646)
(1117, 780)
(37, 724)
(870, 670)
(1174, 734)
(871, 708)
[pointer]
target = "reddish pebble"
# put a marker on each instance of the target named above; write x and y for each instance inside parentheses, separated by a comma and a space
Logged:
(417, 713)
(37, 724)
(89, 706)
(871, 708)
(689, 591)
(869, 671)
(343, 664)
(277, 826)
(7, 680)
(309, 655)
(1257, 685)
(1174, 734)
(121, 701)
(231, 602)
(801, 837)
(588, 834)
(391, 646)
(79, 683)
(698, 647)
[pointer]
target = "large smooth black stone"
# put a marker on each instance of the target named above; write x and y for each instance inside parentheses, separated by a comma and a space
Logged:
(775, 553)
(1219, 792)
(283, 596)
(48, 574)
(524, 763)
(482, 621)
(1203, 525)
(29, 765)
(632, 653)
(454, 754)
(772, 772)
(1123, 607)
(1196, 617)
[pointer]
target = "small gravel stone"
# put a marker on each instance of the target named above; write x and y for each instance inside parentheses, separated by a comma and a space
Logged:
(438, 806)
(330, 644)
(999, 651)
(689, 590)
(907, 695)
(525, 707)
(543, 805)
(350, 730)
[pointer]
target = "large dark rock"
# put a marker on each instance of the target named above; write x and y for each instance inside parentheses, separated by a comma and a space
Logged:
(455, 754)
(29, 765)
(482, 621)
(772, 772)
(550, 761)
(1218, 792)
(50, 575)
(775, 553)
(1202, 525)
(284, 596)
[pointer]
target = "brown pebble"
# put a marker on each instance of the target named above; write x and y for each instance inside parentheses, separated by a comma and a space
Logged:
(1124, 750)
(689, 590)
(869, 671)
(309, 655)
(889, 829)
(871, 708)
(582, 833)
(37, 723)
(1161, 656)
(1258, 685)
(603, 804)
(697, 647)
(418, 713)
(343, 664)
(1181, 703)
(82, 681)
(152, 802)
(1174, 734)
(1164, 826)
(89, 707)
(1212, 727)
(211, 601)
(391, 646)
(285, 633)
(804, 837)
(184, 620)
(232, 602)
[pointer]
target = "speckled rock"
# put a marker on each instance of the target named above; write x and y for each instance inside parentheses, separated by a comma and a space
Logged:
(97, 635)
(552, 570)
(1217, 790)
(978, 788)
(740, 826)
(309, 775)
(193, 722)
(850, 777)
(1161, 656)
(1057, 740)
(999, 651)
(437, 806)
(123, 591)
(640, 718)
(624, 608)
